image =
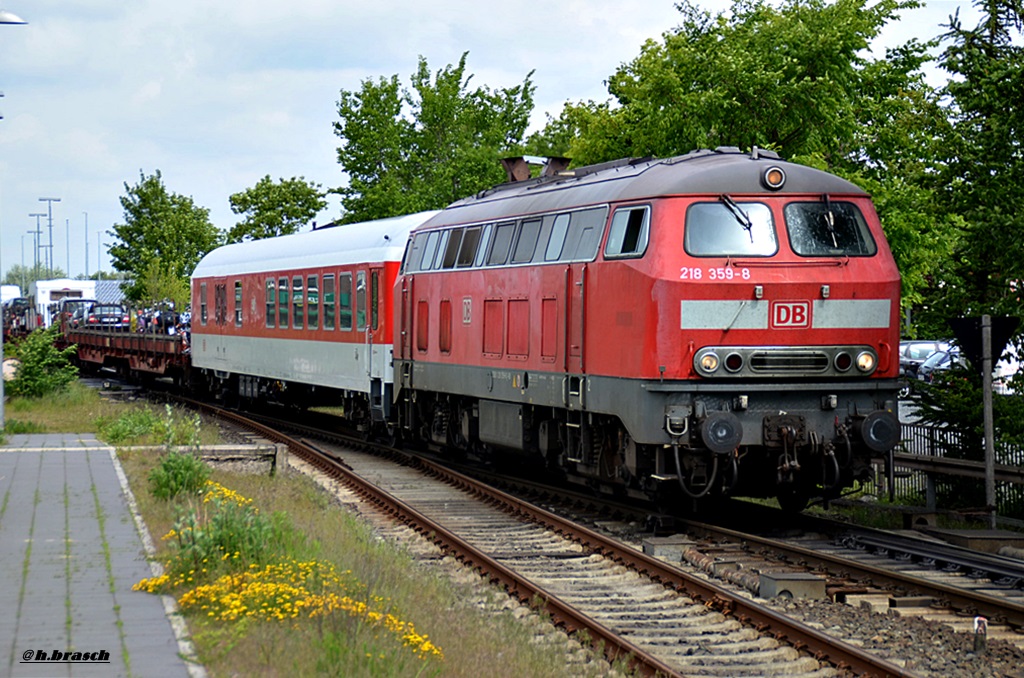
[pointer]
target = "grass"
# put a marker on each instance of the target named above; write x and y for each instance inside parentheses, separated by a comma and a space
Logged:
(474, 626)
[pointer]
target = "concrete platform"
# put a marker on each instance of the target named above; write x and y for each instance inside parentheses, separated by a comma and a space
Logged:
(989, 541)
(71, 548)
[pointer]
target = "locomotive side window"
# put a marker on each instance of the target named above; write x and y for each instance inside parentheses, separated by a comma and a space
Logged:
(718, 229)
(429, 248)
(414, 253)
(584, 237)
(345, 302)
(360, 300)
(202, 304)
(527, 242)
(481, 250)
(313, 302)
(828, 228)
(442, 246)
(628, 236)
(329, 301)
(271, 294)
(238, 303)
(298, 310)
(556, 241)
(451, 252)
(282, 303)
(502, 243)
(470, 242)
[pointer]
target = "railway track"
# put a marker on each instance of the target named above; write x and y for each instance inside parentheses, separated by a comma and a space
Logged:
(650, 615)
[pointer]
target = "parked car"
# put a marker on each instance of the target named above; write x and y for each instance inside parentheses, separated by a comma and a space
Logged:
(914, 352)
(108, 317)
(72, 311)
(938, 362)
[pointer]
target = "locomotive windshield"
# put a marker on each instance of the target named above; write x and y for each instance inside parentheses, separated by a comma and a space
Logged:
(717, 229)
(828, 228)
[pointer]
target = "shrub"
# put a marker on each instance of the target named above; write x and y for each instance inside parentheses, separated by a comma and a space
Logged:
(178, 473)
(44, 369)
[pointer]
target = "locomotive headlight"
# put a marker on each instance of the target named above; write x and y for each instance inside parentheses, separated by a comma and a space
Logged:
(866, 361)
(709, 362)
(773, 178)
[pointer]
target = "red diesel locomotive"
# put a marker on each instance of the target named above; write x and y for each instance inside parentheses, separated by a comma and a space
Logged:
(715, 323)
(719, 323)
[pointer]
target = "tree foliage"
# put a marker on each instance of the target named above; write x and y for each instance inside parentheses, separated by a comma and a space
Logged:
(983, 180)
(43, 368)
(160, 225)
(159, 284)
(272, 209)
(408, 150)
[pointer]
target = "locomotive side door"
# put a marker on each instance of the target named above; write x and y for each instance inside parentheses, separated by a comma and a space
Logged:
(575, 322)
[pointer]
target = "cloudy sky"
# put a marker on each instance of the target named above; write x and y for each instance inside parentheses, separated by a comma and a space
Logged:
(216, 95)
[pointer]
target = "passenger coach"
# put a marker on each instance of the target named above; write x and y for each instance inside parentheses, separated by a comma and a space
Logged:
(304, 318)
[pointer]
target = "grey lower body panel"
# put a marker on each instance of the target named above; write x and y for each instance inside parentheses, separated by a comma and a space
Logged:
(644, 405)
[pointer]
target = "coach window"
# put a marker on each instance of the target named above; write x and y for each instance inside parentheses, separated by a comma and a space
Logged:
(202, 303)
(329, 301)
(238, 303)
(470, 242)
(728, 228)
(374, 298)
(360, 300)
(826, 228)
(556, 241)
(282, 303)
(271, 293)
(298, 308)
(628, 235)
(451, 252)
(313, 302)
(502, 244)
(345, 301)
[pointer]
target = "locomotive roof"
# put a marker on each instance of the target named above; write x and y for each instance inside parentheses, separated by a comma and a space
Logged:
(705, 172)
(366, 242)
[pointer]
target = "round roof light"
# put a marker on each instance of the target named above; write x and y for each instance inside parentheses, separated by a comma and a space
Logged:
(773, 178)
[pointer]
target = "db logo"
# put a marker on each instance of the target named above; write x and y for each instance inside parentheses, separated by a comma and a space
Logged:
(791, 314)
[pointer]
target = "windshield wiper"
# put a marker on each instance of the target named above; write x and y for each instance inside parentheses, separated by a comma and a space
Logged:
(830, 219)
(740, 215)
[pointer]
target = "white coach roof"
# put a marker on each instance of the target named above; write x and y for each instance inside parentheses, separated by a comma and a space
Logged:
(365, 242)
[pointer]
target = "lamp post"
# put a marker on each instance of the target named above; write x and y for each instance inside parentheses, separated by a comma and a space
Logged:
(5, 18)
(86, 245)
(39, 244)
(49, 221)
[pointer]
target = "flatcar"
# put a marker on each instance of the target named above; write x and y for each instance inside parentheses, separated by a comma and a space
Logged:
(303, 319)
(715, 323)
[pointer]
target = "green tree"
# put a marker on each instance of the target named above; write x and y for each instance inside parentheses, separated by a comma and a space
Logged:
(43, 368)
(410, 150)
(160, 225)
(273, 209)
(983, 178)
(160, 284)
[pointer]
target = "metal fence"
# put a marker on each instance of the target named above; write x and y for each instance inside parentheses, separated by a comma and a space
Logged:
(934, 488)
